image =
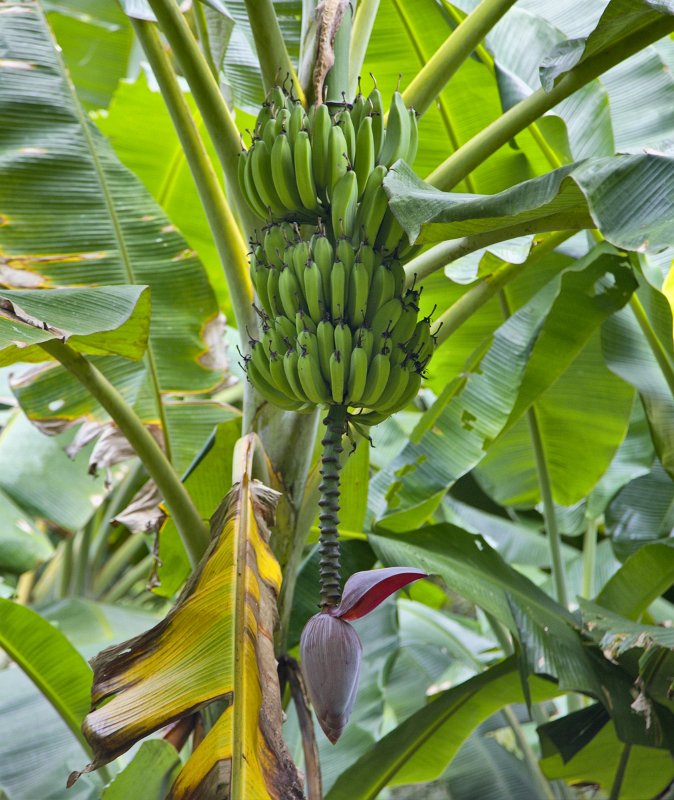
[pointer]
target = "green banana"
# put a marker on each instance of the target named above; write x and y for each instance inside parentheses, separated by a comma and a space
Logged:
(304, 173)
(298, 119)
(364, 161)
(397, 140)
(337, 376)
(397, 383)
(346, 124)
(270, 392)
(313, 290)
(250, 192)
(301, 256)
(359, 286)
(373, 207)
(382, 289)
(259, 276)
(325, 338)
(286, 329)
(337, 161)
(324, 255)
(390, 234)
(404, 327)
(311, 379)
(263, 116)
(278, 99)
(414, 138)
(364, 339)
(282, 122)
(386, 318)
(322, 125)
(344, 343)
(359, 108)
(289, 292)
(357, 375)
(259, 358)
(377, 377)
(274, 245)
(290, 367)
(278, 373)
(344, 204)
(338, 290)
(273, 276)
(377, 105)
(264, 181)
(410, 392)
(283, 173)
(303, 322)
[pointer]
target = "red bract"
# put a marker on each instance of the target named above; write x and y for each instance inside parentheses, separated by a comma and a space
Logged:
(331, 650)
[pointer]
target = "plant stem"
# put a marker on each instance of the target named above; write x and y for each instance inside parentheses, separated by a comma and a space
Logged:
(460, 311)
(224, 228)
(335, 425)
(217, 117)
(124, 554)
(337, 80)
(361, 30)
(491, 138)
(589, 558)
(204, 39)
(272, 53)
(82, 555)
(191, 527)
(620, 773)
(129, 579)
(545, 790)
(659, 352)
(554, 538)
(66, 567)
(433, 77)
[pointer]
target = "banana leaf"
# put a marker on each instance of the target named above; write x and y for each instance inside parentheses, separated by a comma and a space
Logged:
(178, 667)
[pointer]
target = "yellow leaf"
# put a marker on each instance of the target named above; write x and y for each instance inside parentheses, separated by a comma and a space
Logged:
(216, 643)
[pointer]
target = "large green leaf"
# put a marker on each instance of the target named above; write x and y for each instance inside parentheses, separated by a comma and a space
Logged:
(101, 321)
(420, 748)
(642, 353)
(37, 476)
(471, 412)
(472, 568)
(96, 41)
(73, 215)
(596, 193)
(139, 127)
(49, 660)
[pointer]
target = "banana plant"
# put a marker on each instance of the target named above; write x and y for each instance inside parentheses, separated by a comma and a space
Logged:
(453, 318)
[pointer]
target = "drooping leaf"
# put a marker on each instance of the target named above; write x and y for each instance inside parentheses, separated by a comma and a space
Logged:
(421, 747)
(49, 660)
(105, 320)
(587, 194)
(177, 667)
(73, 215)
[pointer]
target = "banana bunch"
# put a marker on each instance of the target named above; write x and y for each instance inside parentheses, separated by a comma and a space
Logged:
(338, 325)
(303, 167)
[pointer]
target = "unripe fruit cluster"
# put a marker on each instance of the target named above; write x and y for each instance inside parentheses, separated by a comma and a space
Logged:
(339, 327)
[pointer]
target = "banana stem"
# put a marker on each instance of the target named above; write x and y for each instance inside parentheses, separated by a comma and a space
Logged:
(431, 80)
(335, 424)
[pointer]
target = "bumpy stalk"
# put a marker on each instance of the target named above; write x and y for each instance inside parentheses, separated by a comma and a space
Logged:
(335, 424)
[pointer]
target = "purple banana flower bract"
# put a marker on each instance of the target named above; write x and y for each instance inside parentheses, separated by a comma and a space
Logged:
(331, 649)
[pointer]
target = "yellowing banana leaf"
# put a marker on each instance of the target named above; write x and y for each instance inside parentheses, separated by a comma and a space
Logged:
(216, 643)
(101, 320)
